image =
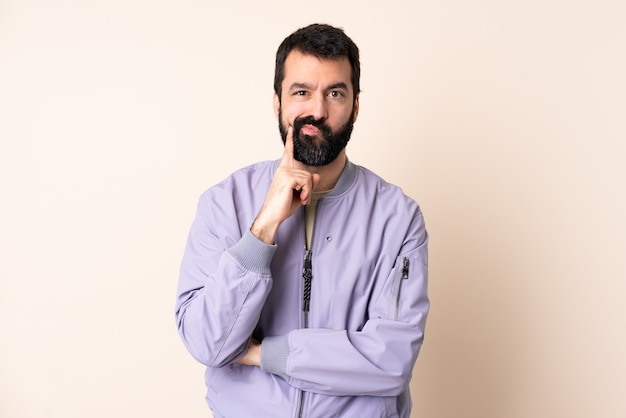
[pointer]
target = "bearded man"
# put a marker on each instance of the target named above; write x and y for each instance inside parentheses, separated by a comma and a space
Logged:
(303, 286)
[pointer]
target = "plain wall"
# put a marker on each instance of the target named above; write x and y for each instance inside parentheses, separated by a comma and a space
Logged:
(504, 119)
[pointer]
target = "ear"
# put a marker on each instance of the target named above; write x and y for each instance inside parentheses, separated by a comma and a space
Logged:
(356, 107)
(276, 105)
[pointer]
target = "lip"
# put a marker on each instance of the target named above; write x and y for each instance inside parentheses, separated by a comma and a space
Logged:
(309, 130)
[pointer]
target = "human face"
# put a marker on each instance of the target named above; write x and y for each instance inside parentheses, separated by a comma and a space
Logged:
(318, 101)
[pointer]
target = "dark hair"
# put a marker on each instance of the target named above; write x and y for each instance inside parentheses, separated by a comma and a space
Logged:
(321, 41)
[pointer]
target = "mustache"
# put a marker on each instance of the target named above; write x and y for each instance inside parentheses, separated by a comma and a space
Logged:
(309, 120)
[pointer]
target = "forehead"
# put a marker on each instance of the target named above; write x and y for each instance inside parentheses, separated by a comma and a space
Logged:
(305, 68)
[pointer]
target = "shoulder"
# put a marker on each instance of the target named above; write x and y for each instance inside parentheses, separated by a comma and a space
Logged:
(251, 176)
(376, 187)
(240, 194)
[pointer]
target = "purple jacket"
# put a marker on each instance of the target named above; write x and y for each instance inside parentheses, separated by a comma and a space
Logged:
(340, 342)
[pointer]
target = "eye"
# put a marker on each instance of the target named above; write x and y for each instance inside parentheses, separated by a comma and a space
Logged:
(300, 93)
(337, 94)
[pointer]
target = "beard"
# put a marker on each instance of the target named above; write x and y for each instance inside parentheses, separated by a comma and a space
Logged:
(312, 151)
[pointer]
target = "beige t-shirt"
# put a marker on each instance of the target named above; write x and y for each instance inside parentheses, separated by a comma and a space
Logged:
(309, 212)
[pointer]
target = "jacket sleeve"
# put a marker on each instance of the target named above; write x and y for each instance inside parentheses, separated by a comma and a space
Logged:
(224, 282)
(378, 359)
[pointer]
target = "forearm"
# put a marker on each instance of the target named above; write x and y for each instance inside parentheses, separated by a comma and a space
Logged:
(217, 311)
(341, 363)
(376, 359)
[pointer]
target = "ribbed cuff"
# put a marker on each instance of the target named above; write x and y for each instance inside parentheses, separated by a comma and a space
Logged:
(274, 354)
(253, 254)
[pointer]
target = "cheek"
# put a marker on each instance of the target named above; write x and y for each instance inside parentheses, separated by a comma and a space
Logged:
(284, 112)
(286, 121)
(296, 107)
(341, 118)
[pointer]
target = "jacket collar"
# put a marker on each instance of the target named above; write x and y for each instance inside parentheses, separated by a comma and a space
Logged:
(345, 179)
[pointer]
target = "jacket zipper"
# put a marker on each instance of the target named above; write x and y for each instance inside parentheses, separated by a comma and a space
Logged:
(405, 276)
(307, 275)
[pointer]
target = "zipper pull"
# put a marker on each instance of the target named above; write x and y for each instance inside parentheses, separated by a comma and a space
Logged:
(405, 268)
(307, 274)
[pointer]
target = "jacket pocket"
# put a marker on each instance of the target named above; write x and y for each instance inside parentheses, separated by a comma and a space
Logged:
(400, 275)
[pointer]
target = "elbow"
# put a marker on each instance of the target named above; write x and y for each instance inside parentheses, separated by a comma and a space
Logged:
(199, 351)
(398, 377)
(397, 384)
(207, 348)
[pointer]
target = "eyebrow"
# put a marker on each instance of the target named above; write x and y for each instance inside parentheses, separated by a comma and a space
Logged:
(339, 85)
(298, 86)
(306, 86)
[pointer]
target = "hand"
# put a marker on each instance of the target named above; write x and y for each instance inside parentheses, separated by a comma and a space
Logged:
(253, 355)
(291, 188)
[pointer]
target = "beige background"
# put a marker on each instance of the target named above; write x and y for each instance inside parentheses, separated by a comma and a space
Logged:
(504, 119)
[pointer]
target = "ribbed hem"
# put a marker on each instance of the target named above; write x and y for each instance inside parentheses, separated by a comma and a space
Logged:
(274, 354)
(253, 254)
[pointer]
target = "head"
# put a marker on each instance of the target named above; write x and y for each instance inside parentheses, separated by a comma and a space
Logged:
(321, 41)
(316, 85)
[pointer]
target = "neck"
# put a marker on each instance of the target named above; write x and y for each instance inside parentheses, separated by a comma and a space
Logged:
(329, 174)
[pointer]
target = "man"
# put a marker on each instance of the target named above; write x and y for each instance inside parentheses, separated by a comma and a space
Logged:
(303, 283)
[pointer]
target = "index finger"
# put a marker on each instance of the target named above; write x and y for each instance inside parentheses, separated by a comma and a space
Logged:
(288, 159)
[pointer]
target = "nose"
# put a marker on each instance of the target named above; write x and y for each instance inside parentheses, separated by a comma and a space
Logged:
(318, 107)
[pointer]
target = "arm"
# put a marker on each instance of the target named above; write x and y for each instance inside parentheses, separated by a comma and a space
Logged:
(223, 287)
(221, 290)
(291, 188)
(376, 360)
